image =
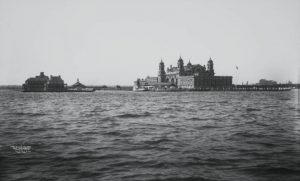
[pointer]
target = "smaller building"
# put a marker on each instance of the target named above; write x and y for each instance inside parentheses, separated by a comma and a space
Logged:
(151, 80)
(267, 82)
(79, 87)
(56, 84)
(36, 84)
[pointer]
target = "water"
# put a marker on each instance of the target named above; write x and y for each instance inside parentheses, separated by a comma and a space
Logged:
(150, 136)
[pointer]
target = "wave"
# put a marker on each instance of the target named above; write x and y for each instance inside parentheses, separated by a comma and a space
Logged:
(265, 170)
(197, 119)
(88, 174)
(25, 114)
(284, 99)
(151, 142)
(208, 127)
(248, 135)
(129, 115)
(166, 109)
(39, 129)
(87, 156)
(114, 133)
(181, 179)
(107, 119)
(252, 109)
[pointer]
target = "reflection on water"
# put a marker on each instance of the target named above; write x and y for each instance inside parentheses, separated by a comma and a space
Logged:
(149, 136)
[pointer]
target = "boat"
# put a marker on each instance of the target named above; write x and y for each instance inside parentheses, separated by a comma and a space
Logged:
(141, 89)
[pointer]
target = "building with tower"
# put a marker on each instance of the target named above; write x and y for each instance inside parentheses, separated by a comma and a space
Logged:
(190, 76)
(161, 72)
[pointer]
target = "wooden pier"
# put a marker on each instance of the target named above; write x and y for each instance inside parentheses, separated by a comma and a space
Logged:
(277, 87)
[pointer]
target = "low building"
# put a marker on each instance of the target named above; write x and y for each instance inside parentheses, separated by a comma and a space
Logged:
(267, 82)
(79, 87)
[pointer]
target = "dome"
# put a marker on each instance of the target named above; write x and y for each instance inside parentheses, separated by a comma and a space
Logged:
(161, 61)
(180, 59)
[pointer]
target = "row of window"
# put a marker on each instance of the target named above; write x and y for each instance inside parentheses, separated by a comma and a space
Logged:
(188, 82)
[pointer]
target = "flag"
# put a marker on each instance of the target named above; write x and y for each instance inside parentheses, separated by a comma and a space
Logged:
(237, 67)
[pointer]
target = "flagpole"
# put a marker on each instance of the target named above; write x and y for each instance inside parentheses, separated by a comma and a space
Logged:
(236, 74)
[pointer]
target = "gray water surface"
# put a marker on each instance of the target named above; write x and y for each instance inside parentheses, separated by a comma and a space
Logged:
(131, 136)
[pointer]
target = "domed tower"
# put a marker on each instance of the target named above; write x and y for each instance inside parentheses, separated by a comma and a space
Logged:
(180, 66)
(210, 67)
(189, 65)
(189, 68)
(161, 72)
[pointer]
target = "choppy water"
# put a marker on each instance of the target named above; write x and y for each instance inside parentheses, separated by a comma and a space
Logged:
(149, 136)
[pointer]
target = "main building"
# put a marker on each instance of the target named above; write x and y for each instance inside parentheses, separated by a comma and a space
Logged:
(190, 76)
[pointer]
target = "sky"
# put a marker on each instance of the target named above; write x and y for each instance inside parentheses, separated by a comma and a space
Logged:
(114, 42)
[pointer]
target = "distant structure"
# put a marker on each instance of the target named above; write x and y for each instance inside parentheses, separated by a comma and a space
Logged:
(191, 76)
(267, 82)
(56, 84)
(42, 83)
(79, 87)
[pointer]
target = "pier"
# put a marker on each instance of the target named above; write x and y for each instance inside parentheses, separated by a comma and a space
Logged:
(275, 87)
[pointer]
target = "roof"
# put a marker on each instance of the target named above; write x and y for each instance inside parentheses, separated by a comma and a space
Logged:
(78, 84)
(37, 79)
(56, 80)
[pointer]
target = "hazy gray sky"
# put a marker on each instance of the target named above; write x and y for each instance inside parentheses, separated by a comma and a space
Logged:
(116, 41)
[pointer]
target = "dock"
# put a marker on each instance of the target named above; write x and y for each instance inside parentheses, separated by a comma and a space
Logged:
(276, 87)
